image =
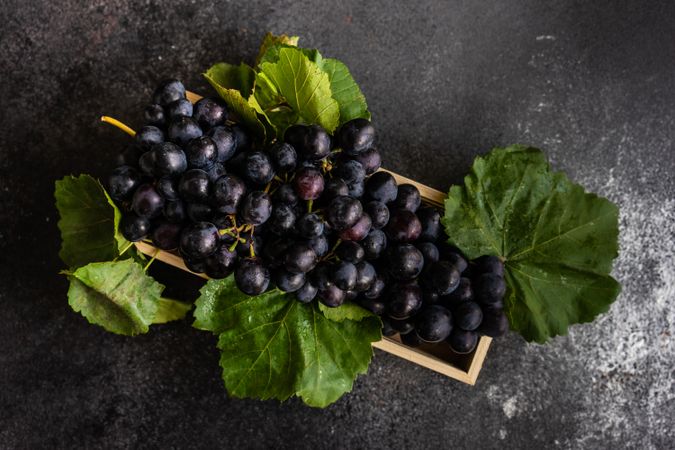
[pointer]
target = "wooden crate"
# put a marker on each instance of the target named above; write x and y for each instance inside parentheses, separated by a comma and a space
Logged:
(439, 358)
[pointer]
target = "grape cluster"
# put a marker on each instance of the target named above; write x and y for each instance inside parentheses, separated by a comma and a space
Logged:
(310, 214)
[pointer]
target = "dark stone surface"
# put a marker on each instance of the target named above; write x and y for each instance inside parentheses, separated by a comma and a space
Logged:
(591, 82)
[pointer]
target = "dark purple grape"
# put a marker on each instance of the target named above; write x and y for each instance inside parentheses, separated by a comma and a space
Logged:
(430, 219)
(489, 264)
(308, 183)
(306, 293)
(433, 324)
(387, 329)
(166, 235)
(241, 138)
(462, 294)
(376, 289)
(456, 260)
(468, 316)
(194, 186)
(168, 188)
(251, 276)
(288, 281)
(216, 171)
(209, 113)
(168, 160)
(408, 197)
(310, 225)
(411, 340)
(154, 115)
(344, 275)
(255, 208)
(494, 325)
(148, 136)
(285, 194)
(147, 202)
(405, 262)
(199, 240)
(300, 257)
(295, 135)
(350, 251)
(334, 187)
(311, 142)
(196, 265)
(255, 241)
(282, 220)
(179, 108)
(404, 326)
(374, 244)
(462, 341)
(366, 276)
(284, 157)
(404, 300)
(147, 163)
(123, 181)
(221, 264)
(441, 277)
(134, 228)
(351, 171)
(357, 189)
(321, 275)
(320, 245)
(429, 251)
(430, 297)
(343, 212)
(374, 305)
(488, 288)
(225, 140)
(174, 211)
(199, 212)
(358, 231)
(381, 186)
(168, 91)
(182, 130)
(228, 191)
(370, 160)
(332, 296)
(258, 168)
(378, 212)
(201, 152)
(356, 136)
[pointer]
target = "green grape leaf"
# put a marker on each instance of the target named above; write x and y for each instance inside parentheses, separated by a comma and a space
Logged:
(275, 347)
(235, 84)
(271, 55)
(346, 311)
(270, 40)
(557, 241)
(345, 91)
(273, 105)
(88, 222)
(120, 297)
(304, 87)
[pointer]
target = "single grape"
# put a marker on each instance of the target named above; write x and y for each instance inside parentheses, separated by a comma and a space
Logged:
(351, 171)
(433, 324)
(241, 138)
(489, 264)
(311, 142)
(201, 152)
(147, 163)
(255, 208)
(221, 264)
(387, 329)
(194, 186)
(381, 186)
(182, 130)
(225, 140)
(405, 262)
(334, 187)
(430, 219)
(174, 211)
(366, 276)
(123, 181)
(251, 276)
(320, 245)
(494, 325)
(321, 276)
(350, 251)
(374, 244)
(403, 226)
(488, 288)
(199, 240)
(282, 220)
(462, 341)
(356, 136)
(168, 160)
(154, 115)
(258, 168)
(456, 260)
(228, 191)
(408, 197)
(306, 293)
(216, 171)
(468, 316)
(148, 136)
(404, 300)
(374, 305)
(308, 183)
(344, 275)
(356, 189)
(283, 157)
(179, 108)
(371, 160)
(168, 91)
(332, 296)
(343, 212)
(288, 281)
(463, 293)
(300, 257)
(441, 277)
(209, 113)
(285, 194)
(429, 251)
(430, 297)
(134, 228)
(358, 231)
(147, 202)
(196, 265)
(310, 225)
(378, 212)
(166, 235)
(295, 135)
(167, 188)
(376, 289)
(199, 212)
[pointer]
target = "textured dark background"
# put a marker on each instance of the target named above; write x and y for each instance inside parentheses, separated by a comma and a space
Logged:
(591, 82)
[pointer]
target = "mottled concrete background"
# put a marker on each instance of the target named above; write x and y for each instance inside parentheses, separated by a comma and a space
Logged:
(591, 82)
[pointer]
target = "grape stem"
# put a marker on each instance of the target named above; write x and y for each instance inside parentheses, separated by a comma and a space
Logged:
(145, 269)
(310, 203)
(234, 245)
(123, 251)
(116, 123)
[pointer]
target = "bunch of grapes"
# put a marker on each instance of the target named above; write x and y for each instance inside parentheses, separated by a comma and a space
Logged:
(311, 215)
